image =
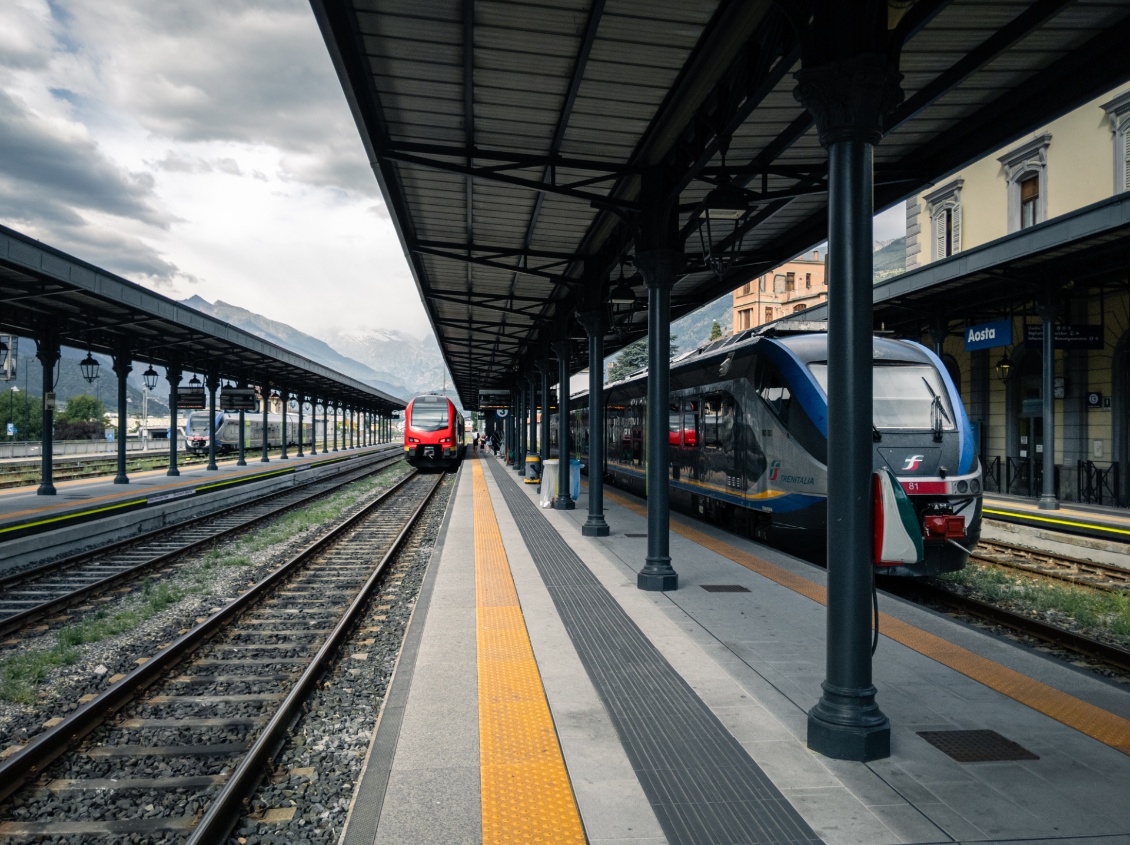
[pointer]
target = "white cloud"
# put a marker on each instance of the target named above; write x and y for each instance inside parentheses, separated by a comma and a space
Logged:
(200, 147)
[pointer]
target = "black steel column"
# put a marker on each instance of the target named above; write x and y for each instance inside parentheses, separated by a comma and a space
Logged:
(313, 425)
(301, 402)
(520, 429)
(335, 426)
(172, 376)
(265, 399)
(241, 458)
(212, 378)
(595, 525)
(325, 427)
(564, 350)
(658, 267)
(283, 402)
(847, 100)
(533, 405)
(1048, 501)
(47, 351)
(546, 367)
(122, 369)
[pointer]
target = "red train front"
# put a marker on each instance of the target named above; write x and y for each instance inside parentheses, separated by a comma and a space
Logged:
(433, 433)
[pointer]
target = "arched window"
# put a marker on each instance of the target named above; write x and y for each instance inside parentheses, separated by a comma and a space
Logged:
(798, 308)
(1026, 179)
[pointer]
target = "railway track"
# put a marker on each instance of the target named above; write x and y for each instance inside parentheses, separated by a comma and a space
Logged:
(1063, 568)
(176, 747)
(32, 595)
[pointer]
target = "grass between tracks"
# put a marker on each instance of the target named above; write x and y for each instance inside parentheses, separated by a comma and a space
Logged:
(21, 674)
(1093, 612)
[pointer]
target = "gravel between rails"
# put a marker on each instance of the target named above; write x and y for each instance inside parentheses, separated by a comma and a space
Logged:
(206, 590)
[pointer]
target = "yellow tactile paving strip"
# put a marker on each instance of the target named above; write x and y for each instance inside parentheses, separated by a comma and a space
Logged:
(526, 793)
(1088, 719)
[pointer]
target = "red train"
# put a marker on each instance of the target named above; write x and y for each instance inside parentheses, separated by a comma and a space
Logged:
(434, 433)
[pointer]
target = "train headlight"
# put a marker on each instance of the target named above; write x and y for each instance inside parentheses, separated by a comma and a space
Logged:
(413, 440)
(962, 486)
(975, 486)
(445, 440)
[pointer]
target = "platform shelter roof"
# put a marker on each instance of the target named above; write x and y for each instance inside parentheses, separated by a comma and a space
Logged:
(42, 288)
(510, 138)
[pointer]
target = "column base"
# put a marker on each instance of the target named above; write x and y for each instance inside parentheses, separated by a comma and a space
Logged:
(212, 468)
(45, 490)
(564, 503)
(264, 460)
(173, 472)
(121, 479)
(595, 528)
(847, 724)
(1048, 503)
(241, 463)
(657, 577)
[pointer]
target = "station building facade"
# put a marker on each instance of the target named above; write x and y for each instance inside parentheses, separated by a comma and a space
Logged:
(791, 288)
(1034, 231)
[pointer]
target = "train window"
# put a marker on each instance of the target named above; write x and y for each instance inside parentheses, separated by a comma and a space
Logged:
(906, 396)
(718, 422)
(673, 425)
(773, 389)
(429, 417)
(690, 425)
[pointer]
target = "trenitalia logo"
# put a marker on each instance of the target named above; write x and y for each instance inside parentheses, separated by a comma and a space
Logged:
(913, 462)
(776, 465)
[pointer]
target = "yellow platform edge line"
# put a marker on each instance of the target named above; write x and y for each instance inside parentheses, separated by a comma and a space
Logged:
(1053, 521)
(527, 796)
(1101, 725)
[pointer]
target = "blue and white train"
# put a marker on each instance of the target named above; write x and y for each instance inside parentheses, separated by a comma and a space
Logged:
(748, 434)
(227, 431)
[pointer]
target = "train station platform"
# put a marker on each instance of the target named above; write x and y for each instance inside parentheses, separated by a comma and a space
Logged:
(540, 697)
(1096, 522)
(97, 509)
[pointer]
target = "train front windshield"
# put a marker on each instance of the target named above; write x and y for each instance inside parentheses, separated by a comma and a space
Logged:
(906, 396)
(429, 417)
(198, 424)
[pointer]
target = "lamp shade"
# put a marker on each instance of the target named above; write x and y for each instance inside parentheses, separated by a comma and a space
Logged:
(89, 368)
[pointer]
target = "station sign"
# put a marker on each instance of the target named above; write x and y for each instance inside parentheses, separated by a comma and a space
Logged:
(239, 399)
(988, 335)
(1065, 337)
(191, 398)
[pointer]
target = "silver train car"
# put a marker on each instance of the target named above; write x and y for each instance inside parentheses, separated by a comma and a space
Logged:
(227, 431)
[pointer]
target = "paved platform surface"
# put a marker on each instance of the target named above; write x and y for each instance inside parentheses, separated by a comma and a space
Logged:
(681, 717)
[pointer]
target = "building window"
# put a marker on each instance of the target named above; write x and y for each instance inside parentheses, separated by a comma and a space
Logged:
(1029, 198)
(807, 280)
(798, 308)
(761, 284)
(1026, 178)
(790, 282)
(768, 314)
(1118, 111)
(745, 289)
(944, 207)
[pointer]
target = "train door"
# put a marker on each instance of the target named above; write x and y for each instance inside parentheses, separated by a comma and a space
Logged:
(1022, 473)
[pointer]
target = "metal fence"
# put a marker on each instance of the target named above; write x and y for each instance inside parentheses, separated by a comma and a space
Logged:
(1098, 485)
(59, 448)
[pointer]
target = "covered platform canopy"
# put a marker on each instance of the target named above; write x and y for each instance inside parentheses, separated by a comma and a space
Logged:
(523, 146)
(540, 157)
(45, 290)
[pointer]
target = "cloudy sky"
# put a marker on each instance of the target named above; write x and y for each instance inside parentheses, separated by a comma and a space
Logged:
(199, 147)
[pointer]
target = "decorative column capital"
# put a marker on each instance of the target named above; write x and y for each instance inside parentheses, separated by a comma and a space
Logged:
(659, 266)
(563, 349)
(849, 98)
(592, 321)
(123, 364)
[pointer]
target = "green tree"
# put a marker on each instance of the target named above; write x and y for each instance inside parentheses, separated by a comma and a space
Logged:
(633, 357)
(715, 331)
(25, 412)
(82, 419)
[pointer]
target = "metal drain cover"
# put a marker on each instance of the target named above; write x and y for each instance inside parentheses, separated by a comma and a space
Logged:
(635, 535)
(977, 746)
(724, 588)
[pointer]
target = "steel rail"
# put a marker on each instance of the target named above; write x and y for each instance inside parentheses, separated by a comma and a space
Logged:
(1078, 643)
(229, 806)
(1053, 565)
(52, 743)
(19, 620)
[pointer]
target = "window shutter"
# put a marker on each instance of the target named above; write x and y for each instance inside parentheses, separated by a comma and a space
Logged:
(955, 240)
(940, 233)
(1126, 159)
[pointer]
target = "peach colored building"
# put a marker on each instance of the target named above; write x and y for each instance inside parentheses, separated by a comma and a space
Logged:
(792, 287)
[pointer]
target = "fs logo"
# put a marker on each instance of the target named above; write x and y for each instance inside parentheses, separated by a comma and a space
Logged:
(776, 467)
(913, 462)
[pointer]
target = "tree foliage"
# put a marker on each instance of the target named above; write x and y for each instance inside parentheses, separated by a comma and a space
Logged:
(633, 357)
(715, 331)
(84, 408)
(25, 411)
